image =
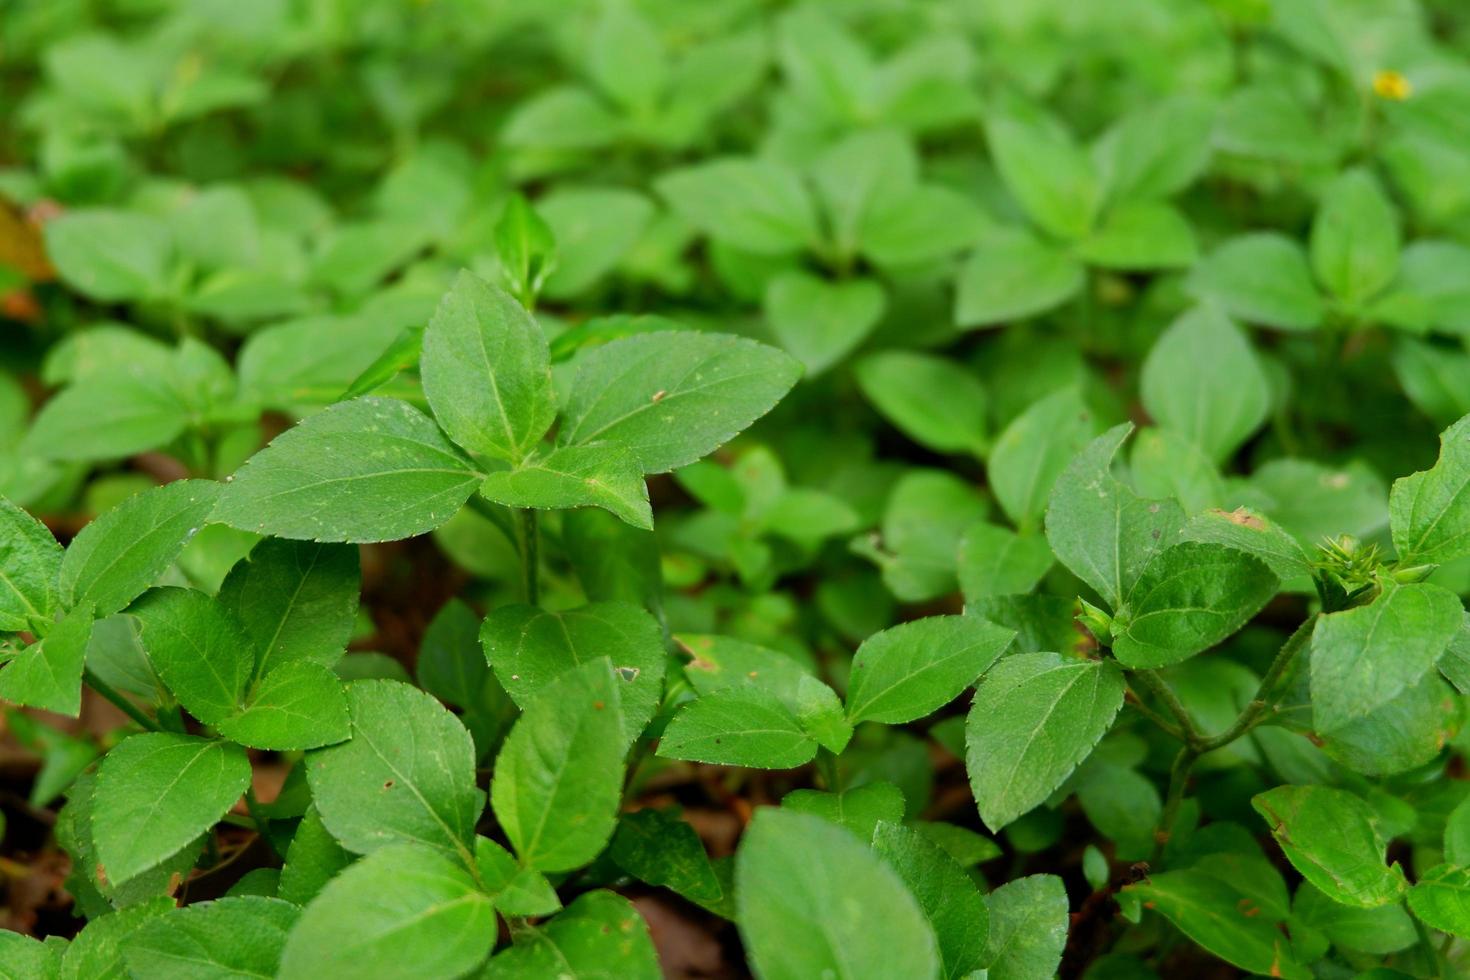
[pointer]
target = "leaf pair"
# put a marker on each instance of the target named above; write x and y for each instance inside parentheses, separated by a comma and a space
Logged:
(761, 708)
(1355, 269)
(1106, 212)
(1171, 599)
(110, 562)
(376, 469)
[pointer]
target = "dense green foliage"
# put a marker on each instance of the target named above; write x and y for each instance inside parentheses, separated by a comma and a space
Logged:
(982, 451)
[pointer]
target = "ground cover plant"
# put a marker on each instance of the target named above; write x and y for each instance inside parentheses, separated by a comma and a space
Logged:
(635, 488)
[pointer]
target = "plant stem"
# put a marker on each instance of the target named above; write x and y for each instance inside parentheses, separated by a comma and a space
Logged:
(1178, 778)
(1425, 939)
(1257, 706)
(1168, 726)
(827, 769)
(123, 704)
(1196, 745)
(530, 555)
(1165, 693)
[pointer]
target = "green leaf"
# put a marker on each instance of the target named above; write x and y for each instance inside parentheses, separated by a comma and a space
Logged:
(110, 256)
(1355, 238)
(1141, 235)
(526, 249)
(296, 706)
(1380, 931)
(529, 649)
(406, 775)
(658, 848)
(25, 958)
(1331, 837)
(1157, 149)
(927, 512)
(1034, 449)
(860, 809)
(1223, 920)
(600, 934)
(514, 890)
(1362, 658)
(602, 475)
(857, 174)
(373, 469)
(1314, 501)
(1191, 597)
(313, 859)
(48, 675)
(930, 399)
(756, 205)
(1166, 463)
(127, 548)
(1435, 275)
(1043, 169)
(914, 669)
(1099, 528)
(561, 118)
(594, 228)
(1028, 928)
(1035, 717)
(29, 561)
(487, 371)
(1406, 732)
(404, 910)
(674, 396)
(1436, 377)
(1262, 277)
(997, 561)
(225, 938)
(295, 600)
(820, 322)
(110, 417)
(738, 726)
(451, 665)
(1441, 899)
(97, 951)
(559, 775)
(1203, 380)
(813, 900)
(627, 59)
(1012, 275)
(158, 791)
(722, 664)
(948, 897)
(198, 649)
(1245, 530)
(1430, 510)
(927, 224)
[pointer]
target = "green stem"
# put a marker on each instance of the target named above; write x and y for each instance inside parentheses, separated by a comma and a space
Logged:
(827, 769)
(530, 555)
(1435, 957)
(1168, 726)
(1178, 779)
(123, 704)
(1253, 711)
(1196, 745)
(1165, 693)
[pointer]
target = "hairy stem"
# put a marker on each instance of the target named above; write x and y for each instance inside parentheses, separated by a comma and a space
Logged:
(1195, 744)
(1253, 711)
(1161, 690)
(122, 703)
(530, 554)
(1178, 779)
